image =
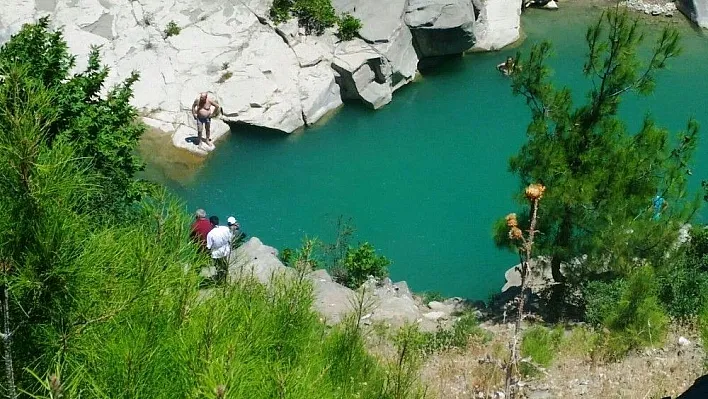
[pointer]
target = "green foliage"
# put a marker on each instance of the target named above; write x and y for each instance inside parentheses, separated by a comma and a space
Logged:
(280, 10)
(349, 27)
(540, 345)
(601, 298)
(601, 178)
(465, 328)
(578, 343)
(630, 310)
(703, 328)
(360, 263)
(172, 29)
(683, 281)
(313, 15)
(103, 129)
(430, 296)
(114, 310)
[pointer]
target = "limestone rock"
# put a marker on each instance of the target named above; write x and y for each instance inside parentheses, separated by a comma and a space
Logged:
(437, 315)
(695, 10)
(363, 73)
(383, 28)
(333, 301)
(498, 23)
(441, 27)
(255, 260)
(551, 5)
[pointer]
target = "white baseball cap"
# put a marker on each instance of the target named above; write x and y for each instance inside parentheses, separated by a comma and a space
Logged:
(231, 220)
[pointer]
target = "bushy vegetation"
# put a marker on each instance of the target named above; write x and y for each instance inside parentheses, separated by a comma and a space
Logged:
(539, 346)
(360, 263)
(349, 27)
(602, 178)
(172, 29)
(111, 310)
(630, 310)
(465, 328)
(315, 16)
(102, 129)
(683, 280)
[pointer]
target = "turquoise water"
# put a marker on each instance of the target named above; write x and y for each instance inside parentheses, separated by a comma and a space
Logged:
(424, 178)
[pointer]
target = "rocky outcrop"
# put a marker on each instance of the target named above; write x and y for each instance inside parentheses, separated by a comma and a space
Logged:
(262, 74)
(651, 7)
(498, 23)
(370, 69)
(695, 10)
(441, 27)
(386, 302)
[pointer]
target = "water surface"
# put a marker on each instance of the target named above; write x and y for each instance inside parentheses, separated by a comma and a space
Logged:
(424, 178)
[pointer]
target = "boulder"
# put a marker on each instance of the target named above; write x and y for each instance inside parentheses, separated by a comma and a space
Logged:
(258, 261)
(695, 10)
(384, 28)
(363, 73)
(441, 27)
(498, 23)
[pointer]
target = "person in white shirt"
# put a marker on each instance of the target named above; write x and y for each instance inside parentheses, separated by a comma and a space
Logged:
(219, 243)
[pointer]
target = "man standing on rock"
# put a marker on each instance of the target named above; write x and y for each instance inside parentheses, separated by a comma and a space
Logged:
(202, 110)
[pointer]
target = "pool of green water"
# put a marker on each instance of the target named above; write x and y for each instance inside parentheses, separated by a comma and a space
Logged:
(424, 178)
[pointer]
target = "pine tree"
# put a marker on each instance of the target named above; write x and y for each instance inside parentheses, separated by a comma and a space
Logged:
(597, 213)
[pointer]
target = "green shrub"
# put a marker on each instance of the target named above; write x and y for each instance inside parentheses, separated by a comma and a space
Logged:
(683, 290)
(466, 327)
(630, 310)
(683, 283)
(359, 264)
(315, 15)
(172, 29)
(430, 296)
(579, 342)
(280, 10)
(540, 345)
(349, 26)
(601, 297)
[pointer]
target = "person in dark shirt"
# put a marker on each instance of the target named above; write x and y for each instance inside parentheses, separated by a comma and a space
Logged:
(200, 228)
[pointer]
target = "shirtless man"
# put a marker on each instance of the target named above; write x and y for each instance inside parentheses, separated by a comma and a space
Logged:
(202, 110)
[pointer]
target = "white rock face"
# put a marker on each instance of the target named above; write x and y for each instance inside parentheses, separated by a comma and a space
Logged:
(441, 27)
(695, 10)
(223, 48)
(498, 24)
(371, 69)
(270, 76)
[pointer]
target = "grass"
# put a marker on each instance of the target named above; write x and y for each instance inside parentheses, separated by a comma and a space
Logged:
(466, 328)
(225, 76)
(430, 296)
(540, 345)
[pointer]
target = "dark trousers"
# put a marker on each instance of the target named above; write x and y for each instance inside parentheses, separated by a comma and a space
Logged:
(222, 268)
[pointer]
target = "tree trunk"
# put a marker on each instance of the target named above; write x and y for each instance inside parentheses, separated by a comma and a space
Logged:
(11, 391)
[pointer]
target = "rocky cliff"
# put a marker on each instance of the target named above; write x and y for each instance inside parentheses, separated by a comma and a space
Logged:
(263, 74)
(695, 10)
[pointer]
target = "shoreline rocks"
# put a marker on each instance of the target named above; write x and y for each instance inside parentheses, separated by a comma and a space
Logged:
(387, 302)
(651, 7)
